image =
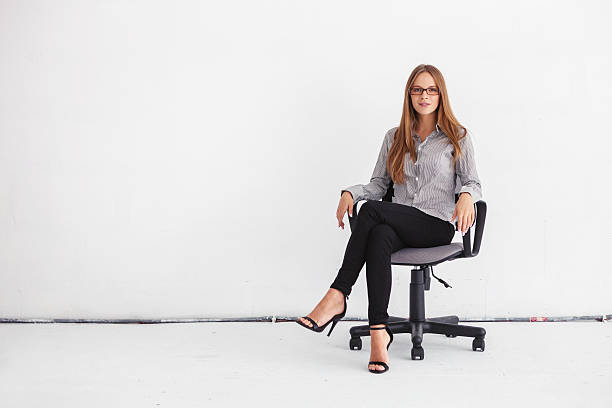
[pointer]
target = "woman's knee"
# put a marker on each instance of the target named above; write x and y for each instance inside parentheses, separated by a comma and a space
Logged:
(365, 206)
(371, 207)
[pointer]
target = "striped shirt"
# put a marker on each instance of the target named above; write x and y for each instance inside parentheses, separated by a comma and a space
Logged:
(431, 182)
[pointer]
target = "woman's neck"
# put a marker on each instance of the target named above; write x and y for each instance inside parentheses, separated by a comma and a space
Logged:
(425, 126)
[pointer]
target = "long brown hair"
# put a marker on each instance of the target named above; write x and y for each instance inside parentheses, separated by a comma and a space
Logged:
(403, 142)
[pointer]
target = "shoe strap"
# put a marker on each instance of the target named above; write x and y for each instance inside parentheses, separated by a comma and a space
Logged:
(388, 332)
(382, 363)
(314, 324)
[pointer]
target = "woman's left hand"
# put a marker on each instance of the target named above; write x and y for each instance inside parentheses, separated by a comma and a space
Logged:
(464, 211)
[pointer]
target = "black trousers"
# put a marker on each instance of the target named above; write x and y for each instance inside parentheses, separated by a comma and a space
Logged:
(381, 228)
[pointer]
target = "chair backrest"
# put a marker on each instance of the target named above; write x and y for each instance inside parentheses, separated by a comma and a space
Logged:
(389, 193)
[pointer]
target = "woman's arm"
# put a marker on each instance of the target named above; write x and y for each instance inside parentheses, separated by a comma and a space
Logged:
(465, 167)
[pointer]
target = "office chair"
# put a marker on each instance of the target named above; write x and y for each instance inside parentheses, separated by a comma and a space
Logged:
(423, 260)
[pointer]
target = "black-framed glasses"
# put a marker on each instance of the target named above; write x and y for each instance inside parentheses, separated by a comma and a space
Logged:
(417, 90)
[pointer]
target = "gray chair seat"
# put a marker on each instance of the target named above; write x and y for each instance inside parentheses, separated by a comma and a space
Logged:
(426, 256)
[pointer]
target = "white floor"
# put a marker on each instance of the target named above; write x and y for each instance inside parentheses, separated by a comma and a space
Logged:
(283, 364)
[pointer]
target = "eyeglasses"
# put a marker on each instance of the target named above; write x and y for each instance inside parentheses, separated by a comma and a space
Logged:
(417, 90)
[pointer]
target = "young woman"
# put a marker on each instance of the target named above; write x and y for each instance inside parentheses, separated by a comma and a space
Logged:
(423, 156)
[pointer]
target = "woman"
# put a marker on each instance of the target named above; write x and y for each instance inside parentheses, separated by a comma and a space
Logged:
(423, 156)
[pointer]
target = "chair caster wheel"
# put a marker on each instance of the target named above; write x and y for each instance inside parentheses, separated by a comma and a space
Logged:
(478, 344)
(355, 343)
(417, 353)
(451, 335)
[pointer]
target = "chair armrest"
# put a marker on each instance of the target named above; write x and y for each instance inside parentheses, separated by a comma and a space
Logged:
(480, 207)
(354, 217)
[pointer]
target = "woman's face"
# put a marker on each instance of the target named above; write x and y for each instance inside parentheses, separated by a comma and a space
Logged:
(423, 102)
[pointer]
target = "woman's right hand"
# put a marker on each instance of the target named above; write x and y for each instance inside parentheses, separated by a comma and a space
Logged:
(346, 204)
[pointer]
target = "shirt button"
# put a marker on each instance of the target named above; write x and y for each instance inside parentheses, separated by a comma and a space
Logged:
(417, 179)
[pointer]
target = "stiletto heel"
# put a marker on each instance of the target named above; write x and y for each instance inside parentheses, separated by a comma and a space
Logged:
(382, 363)
(334, 320)
(332, 327)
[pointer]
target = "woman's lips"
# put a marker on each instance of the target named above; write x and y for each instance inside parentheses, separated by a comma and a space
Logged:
(424, 104)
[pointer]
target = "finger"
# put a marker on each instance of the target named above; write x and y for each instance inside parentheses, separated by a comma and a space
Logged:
(454, 214)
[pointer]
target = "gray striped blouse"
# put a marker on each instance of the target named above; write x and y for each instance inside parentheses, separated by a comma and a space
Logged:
(431, 182)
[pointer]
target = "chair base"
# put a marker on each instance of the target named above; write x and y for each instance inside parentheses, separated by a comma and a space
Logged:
(417, 324)
(447, 325)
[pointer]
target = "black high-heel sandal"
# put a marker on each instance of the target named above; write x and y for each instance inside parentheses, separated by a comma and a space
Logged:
(316, 328)
(382, 363)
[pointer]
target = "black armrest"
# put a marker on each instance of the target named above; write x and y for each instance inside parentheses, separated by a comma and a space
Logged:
(480, 207)
(352, 219)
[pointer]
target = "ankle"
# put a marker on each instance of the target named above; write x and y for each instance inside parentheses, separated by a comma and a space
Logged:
(336, 296)
(336, 292)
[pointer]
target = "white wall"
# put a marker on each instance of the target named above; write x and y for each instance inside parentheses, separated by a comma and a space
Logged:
(184, 159)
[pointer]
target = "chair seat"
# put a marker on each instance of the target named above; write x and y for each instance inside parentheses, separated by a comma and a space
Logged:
(426, 256)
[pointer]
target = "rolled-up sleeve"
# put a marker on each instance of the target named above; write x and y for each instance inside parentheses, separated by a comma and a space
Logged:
(465, 167)
(379, 182)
